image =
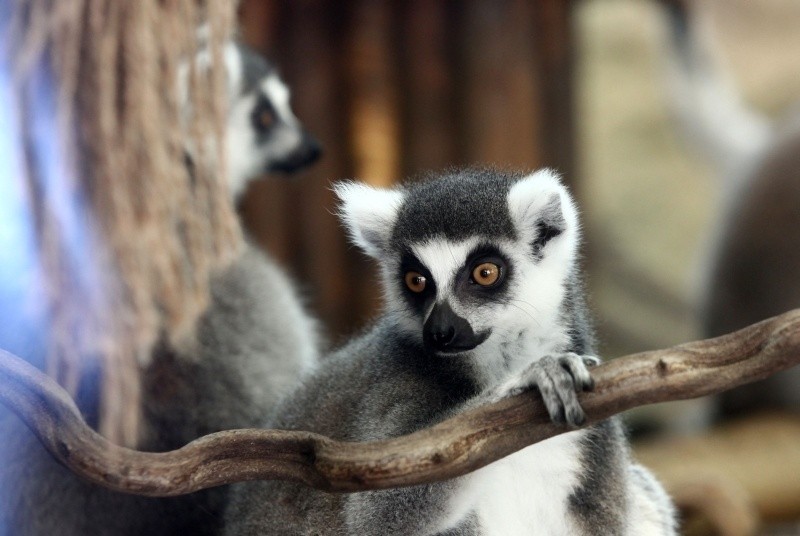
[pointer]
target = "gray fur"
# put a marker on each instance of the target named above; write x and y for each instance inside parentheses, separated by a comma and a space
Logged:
(249, 347)
(255, 68)
(458, 204)
(605, 464)
(387, 383)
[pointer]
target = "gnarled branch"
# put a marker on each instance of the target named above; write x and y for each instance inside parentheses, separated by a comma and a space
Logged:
(454, 447)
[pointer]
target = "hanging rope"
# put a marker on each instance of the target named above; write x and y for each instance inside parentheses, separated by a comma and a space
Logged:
(126, 238)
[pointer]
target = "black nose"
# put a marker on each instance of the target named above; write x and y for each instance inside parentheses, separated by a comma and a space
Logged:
(313, 149)
(446, 332)
(444, 337)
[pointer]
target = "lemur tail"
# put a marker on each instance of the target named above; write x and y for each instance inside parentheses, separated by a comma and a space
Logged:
(704, 98)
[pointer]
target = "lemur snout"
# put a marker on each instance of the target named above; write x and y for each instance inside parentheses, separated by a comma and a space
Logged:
(307, 152)
(446, 332)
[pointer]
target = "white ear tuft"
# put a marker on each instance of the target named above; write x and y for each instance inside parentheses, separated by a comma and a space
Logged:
(539, 204)
(368, 214)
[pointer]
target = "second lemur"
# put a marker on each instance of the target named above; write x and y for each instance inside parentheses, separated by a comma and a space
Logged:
(483, 300)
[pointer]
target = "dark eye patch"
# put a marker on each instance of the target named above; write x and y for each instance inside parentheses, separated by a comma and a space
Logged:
(417, 300)
(263, 116)
(470, 290)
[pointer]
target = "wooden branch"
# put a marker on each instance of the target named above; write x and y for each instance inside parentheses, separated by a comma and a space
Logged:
(454, 447)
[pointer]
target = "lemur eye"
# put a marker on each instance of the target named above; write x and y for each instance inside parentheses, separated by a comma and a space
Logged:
(415, 281)
(263, 116)
(266, 118)
(486, 274)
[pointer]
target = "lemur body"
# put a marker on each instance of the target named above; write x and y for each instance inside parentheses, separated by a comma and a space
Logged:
(483, 299)
(752, 258)
(249, 347)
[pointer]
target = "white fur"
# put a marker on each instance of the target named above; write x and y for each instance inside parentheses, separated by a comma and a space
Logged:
(529, 196)
(279, 95)
(234, 68)
(369, 215)
(651, 510)
(444, 259)
(527, 493)
(241, 145)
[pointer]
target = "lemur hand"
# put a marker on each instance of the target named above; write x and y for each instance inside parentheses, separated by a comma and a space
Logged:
(558, 378)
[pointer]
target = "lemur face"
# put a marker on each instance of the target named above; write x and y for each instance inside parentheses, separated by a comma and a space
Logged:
(469, 257)
(446, 284)
(263, 133)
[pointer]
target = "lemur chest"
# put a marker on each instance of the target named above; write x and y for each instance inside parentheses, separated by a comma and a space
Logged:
(528, 492)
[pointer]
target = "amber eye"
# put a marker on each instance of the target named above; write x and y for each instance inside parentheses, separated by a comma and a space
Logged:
(266, 118)
(415, 281)
(486, 274)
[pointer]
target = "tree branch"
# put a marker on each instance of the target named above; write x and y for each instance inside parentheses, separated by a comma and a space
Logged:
(454, 447)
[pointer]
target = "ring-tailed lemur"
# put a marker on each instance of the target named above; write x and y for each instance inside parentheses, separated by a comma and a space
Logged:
(752, 258)
(483, 299)
(263, 133)
(250, 346)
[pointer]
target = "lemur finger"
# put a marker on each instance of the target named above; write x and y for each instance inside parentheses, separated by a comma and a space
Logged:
(566, 390)
(550, 395)
(575, 365)
(559, 370)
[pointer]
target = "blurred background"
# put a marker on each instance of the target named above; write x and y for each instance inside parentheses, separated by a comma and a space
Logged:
(396, 88)
(675, 122)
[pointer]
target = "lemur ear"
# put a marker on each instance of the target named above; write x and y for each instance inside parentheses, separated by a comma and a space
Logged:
(542, 209)
(369, 214)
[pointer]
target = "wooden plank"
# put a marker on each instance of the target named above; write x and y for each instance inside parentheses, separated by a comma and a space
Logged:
(374, 101)
(500, 91)
(257, 22)
(429, 108)
(554, 44)
(314, 66)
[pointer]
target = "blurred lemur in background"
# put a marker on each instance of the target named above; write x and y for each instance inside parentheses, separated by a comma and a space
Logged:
(483, 300)
(751, 268)
(249, 347)
(263, 133)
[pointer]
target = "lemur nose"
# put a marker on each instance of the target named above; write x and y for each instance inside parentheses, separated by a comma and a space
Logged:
(444, 337)
(444, 331)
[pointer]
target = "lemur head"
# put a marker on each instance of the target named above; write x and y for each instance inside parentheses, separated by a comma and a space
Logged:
(470, 257)
(263, 133)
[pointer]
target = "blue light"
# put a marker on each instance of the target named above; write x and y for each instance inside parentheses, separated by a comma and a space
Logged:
(63, 197)
(22, 324)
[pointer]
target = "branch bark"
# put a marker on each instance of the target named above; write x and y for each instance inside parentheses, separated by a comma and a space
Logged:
(452, 448)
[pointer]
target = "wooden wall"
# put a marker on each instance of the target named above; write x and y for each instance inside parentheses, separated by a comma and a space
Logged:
(396, 88)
